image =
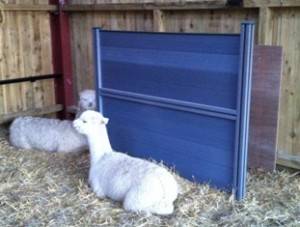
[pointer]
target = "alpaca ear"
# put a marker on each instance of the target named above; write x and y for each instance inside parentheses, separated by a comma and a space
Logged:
(105, 120)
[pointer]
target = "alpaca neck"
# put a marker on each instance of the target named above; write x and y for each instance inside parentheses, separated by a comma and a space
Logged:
(99, 144)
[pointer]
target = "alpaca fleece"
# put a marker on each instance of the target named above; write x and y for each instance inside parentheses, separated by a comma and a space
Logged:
(87, 101)
(50, 135)
(141, 185)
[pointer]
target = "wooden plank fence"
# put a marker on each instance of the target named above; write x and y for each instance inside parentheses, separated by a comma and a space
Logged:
(25, 45)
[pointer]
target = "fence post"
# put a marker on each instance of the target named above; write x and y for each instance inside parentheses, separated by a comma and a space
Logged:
(245, 76)
(61, 57)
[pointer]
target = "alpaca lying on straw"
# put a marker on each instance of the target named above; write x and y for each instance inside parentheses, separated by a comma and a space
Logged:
(51, 135)
(45, 134)
(141, 185)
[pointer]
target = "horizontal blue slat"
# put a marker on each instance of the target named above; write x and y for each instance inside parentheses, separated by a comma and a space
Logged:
(208, 43)
(186, 164)
(171, 59)
(172, 134)
(203, 109)
(209, 88)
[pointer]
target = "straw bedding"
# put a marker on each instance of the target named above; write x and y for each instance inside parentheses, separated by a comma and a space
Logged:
(41, 189)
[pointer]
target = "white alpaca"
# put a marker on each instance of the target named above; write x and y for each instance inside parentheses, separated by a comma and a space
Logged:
(141, 185)
(50, 135)
(87, 101)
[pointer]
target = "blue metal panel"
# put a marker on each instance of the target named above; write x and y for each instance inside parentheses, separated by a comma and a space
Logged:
(181, 98)
(172, 63)
(179, 138)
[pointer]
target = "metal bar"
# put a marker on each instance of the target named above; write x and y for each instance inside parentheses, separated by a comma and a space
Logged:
(98, 72)
(30, 79)
(170, 103)
(239, 100)
(246, 74)
(168, 33)
(248, 82)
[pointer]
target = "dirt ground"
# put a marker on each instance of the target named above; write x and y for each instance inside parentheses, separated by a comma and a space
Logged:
(41, 189)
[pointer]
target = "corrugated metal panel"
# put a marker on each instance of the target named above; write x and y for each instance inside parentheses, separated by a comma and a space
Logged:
(180, 98)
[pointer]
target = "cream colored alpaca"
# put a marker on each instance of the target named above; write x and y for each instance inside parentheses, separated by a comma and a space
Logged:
(87, 101)
(51, 135)
(141, 185)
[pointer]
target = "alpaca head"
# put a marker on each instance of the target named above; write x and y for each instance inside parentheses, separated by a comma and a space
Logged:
(89, 121)
(87, 100)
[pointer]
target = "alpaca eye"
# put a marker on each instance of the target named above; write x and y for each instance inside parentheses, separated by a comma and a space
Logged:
(84, 121)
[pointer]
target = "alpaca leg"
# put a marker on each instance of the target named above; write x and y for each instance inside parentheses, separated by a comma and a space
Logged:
(147, 197)
(163, 208)
(148, 201)
(19, 142)
(100, 193)
(134, 201)
(97, 189)
(75, 150)
(26, 146)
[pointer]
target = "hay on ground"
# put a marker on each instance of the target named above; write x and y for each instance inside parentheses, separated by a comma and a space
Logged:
(38, 189)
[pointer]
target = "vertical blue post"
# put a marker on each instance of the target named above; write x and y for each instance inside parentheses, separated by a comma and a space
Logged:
(245, 77)
(97, 65)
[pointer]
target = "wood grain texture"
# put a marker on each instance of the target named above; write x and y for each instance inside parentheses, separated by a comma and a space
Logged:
(265, 26)
(286, 33)
(264, 107)
(29, 7)
(221, 21)
(81, 30)
(130, 5)
(8, 117)
(158, 21)
(208, 21)
(276, 26)
(271, 3)
(25, 51)
(21, 2)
